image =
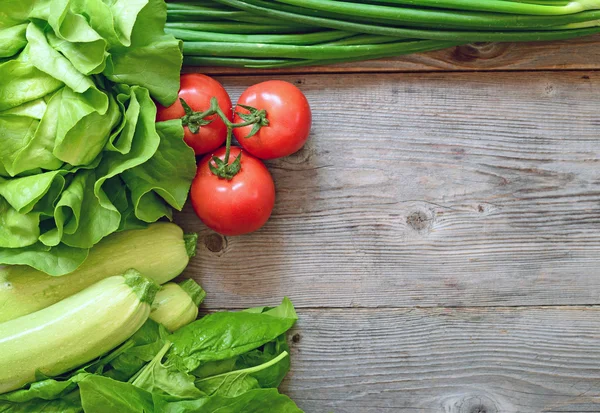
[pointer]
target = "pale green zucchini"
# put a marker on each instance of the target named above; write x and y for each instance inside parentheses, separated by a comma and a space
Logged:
(75, 330)
(159, 252)
(176, 305)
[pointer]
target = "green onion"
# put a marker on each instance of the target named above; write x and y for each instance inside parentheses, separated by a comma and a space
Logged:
(548, 8)
(441, 18)
(233, 62)
(239, 28)
(288, 33)
(265, 50)
(293, 39)
(364, 39)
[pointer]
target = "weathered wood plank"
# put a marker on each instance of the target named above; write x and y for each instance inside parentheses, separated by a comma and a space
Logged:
(582, 53)
(469, 360)
(425, 190)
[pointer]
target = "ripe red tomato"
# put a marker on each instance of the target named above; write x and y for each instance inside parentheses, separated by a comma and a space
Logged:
(197, 91)
(289, 116)
(237, 206)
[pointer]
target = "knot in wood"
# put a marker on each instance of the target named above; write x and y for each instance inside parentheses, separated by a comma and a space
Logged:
(215, 242)
(419, 221)
(472, 404)
(479, 51)
(300, 157)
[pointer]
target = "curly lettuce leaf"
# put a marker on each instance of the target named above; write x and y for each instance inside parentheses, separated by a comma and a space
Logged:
(22, 82)
(12, 40)
(15, 12)
(157, 53)
(56, 261)
(164, 177)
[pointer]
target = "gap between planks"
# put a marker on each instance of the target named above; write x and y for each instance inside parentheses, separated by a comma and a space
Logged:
(574, 307)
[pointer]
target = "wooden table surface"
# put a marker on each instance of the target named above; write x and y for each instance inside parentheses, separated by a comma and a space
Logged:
(439, 234)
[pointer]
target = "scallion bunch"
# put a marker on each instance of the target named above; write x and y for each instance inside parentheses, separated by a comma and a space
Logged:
(284, 33)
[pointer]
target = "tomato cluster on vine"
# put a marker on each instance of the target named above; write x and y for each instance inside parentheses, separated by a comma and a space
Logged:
(233, 192)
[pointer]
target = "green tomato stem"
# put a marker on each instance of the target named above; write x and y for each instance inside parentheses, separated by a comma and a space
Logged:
(215, 105)
(195, 120)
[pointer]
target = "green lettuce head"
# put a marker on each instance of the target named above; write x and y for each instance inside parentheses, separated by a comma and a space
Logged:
(80, 153)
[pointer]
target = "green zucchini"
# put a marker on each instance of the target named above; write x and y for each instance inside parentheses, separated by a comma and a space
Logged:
(159, 252)
(176, 305)
(75, 330)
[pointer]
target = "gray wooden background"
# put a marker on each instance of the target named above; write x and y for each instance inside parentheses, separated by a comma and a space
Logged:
(439, 234)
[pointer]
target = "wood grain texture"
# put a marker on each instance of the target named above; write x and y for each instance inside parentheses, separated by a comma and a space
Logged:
(468, 360)
(449, 189)
(575, 54)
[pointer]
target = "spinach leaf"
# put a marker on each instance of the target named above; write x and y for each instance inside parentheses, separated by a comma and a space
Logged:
(166, 381)
(213, 368)
(132, 355)
(237, 382)
(253, 401)
(48, 389)
(49, 395)
(273, 375)
(224, 335)
(69, 403)
(104, 395)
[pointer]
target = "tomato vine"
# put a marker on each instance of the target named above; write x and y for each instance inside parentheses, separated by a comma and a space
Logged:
(195, 120)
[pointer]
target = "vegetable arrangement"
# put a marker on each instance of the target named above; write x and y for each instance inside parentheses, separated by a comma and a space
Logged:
(125, 344)
(286, 33)
(226, 362)
(96, 146)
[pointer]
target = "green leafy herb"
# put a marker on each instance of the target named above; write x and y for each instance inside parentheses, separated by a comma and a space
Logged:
(69, 403)
(272, 375)
(102, 394)
(224, 335)
(166, 381)
(236, 382)
(131, 356)
(252, 401)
